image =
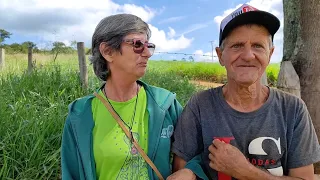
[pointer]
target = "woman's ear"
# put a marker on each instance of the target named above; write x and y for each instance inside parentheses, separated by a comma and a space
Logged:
(106, 52)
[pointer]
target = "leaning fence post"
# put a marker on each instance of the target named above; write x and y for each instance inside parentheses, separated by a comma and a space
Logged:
(2, 58)
(288, 79)
(82, 65)
(30, 66)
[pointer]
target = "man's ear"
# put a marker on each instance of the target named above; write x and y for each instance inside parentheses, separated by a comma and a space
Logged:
(106, 52)
(219, 54)
(271, 52)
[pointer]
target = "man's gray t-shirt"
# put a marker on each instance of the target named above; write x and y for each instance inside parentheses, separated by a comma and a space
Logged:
(276, 137)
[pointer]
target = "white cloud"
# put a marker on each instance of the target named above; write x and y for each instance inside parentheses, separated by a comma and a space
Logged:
(172, 19)
(171, 32)
(273, 6)
(69, 20)
(200, 56)
(195, 27)
(218, 19)
(145, 13)
(168, 44)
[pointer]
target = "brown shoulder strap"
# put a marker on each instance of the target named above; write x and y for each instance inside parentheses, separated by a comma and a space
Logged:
(129, 135)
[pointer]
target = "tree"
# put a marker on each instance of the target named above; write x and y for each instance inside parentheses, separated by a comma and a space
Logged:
(302, 48)
(25, 46)
(4, 35)
(58, 48)
(28, 44)
(73, 44)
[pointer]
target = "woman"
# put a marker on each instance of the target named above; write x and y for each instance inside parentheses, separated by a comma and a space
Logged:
(94, 146)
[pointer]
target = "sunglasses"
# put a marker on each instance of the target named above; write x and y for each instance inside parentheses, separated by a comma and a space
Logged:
(138, 45)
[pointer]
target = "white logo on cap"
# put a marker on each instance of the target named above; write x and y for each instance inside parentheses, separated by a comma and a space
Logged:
(243, 9)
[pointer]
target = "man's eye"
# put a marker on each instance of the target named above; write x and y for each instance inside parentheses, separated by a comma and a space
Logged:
(257, 46)
(236, 46)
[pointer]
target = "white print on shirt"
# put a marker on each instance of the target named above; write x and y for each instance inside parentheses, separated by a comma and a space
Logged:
(255, 148)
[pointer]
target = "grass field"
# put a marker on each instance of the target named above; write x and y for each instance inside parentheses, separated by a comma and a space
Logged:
(212, 72)
(33, 107)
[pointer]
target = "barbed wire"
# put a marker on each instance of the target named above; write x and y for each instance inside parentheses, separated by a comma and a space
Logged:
(186, 54)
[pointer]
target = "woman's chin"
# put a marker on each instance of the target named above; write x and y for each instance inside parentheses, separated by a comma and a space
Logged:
(141, 73)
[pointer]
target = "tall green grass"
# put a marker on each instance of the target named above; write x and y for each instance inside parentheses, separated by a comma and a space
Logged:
(205, 71)
(272, 73)
(33, 108)
(192, 70)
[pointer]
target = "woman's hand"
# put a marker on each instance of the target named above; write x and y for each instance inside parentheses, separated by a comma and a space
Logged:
(182, 174)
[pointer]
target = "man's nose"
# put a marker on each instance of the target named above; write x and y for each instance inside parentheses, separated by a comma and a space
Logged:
(248, 53)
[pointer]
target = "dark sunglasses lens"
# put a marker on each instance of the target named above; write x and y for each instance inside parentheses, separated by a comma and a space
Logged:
(138, 44)
(150, 45)
(151, 48)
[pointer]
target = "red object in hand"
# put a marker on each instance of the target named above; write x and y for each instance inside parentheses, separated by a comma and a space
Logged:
(222, 176)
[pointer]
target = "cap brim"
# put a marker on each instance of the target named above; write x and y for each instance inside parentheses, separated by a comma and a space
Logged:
(268, 20)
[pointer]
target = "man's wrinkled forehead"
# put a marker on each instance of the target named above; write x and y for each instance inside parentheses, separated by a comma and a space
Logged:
(237, 33)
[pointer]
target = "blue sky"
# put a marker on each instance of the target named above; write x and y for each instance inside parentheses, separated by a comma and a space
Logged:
(177, 26)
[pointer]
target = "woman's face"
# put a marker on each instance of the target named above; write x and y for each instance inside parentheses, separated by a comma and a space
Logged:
(132, 61)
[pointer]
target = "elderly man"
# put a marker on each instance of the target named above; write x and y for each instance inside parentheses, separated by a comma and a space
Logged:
(245, 130)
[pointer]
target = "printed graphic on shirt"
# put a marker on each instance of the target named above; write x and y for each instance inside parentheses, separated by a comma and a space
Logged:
(256, 149)
(167, 132)
(264, 152)
(134, 166)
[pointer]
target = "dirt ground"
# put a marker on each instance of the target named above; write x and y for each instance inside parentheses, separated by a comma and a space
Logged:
(206, 84)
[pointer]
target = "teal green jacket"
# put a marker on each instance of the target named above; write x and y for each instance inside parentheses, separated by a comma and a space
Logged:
(77, 159)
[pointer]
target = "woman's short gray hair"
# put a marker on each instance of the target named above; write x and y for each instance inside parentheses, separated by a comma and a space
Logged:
(112, 30)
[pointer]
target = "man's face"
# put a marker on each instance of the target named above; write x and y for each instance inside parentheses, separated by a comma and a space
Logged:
(246, 54)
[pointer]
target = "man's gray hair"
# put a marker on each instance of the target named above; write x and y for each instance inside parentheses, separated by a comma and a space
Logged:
(112, 30)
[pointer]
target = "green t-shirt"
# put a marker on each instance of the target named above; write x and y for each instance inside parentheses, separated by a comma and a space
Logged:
(115, 156)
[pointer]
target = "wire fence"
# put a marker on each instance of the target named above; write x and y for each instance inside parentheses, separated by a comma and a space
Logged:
(186, 54)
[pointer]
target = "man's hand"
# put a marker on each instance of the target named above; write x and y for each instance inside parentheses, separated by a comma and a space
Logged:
(183, 174)
(227, 159)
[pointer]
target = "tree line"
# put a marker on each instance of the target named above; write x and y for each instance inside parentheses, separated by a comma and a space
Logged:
(56, 47)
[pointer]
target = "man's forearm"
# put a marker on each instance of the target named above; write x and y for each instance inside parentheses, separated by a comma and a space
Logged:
(254, 173)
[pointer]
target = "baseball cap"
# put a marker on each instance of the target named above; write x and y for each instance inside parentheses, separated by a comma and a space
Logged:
(247, 14)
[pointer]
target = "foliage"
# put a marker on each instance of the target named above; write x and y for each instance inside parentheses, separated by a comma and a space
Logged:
(60, 48)
(33, 109)
(4, 35)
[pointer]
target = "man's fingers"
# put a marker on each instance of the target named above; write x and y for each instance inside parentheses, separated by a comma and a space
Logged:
(212, 165)
(211, 157)
(217, 143)
(212, 149)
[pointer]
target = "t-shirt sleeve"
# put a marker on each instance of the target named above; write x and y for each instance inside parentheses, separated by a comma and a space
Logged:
(304, 148)
(188, 135)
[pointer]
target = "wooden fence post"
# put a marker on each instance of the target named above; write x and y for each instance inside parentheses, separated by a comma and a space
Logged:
(82, 65)
(288, 79)
(264, 79)
(2, 58)
(30, 66)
